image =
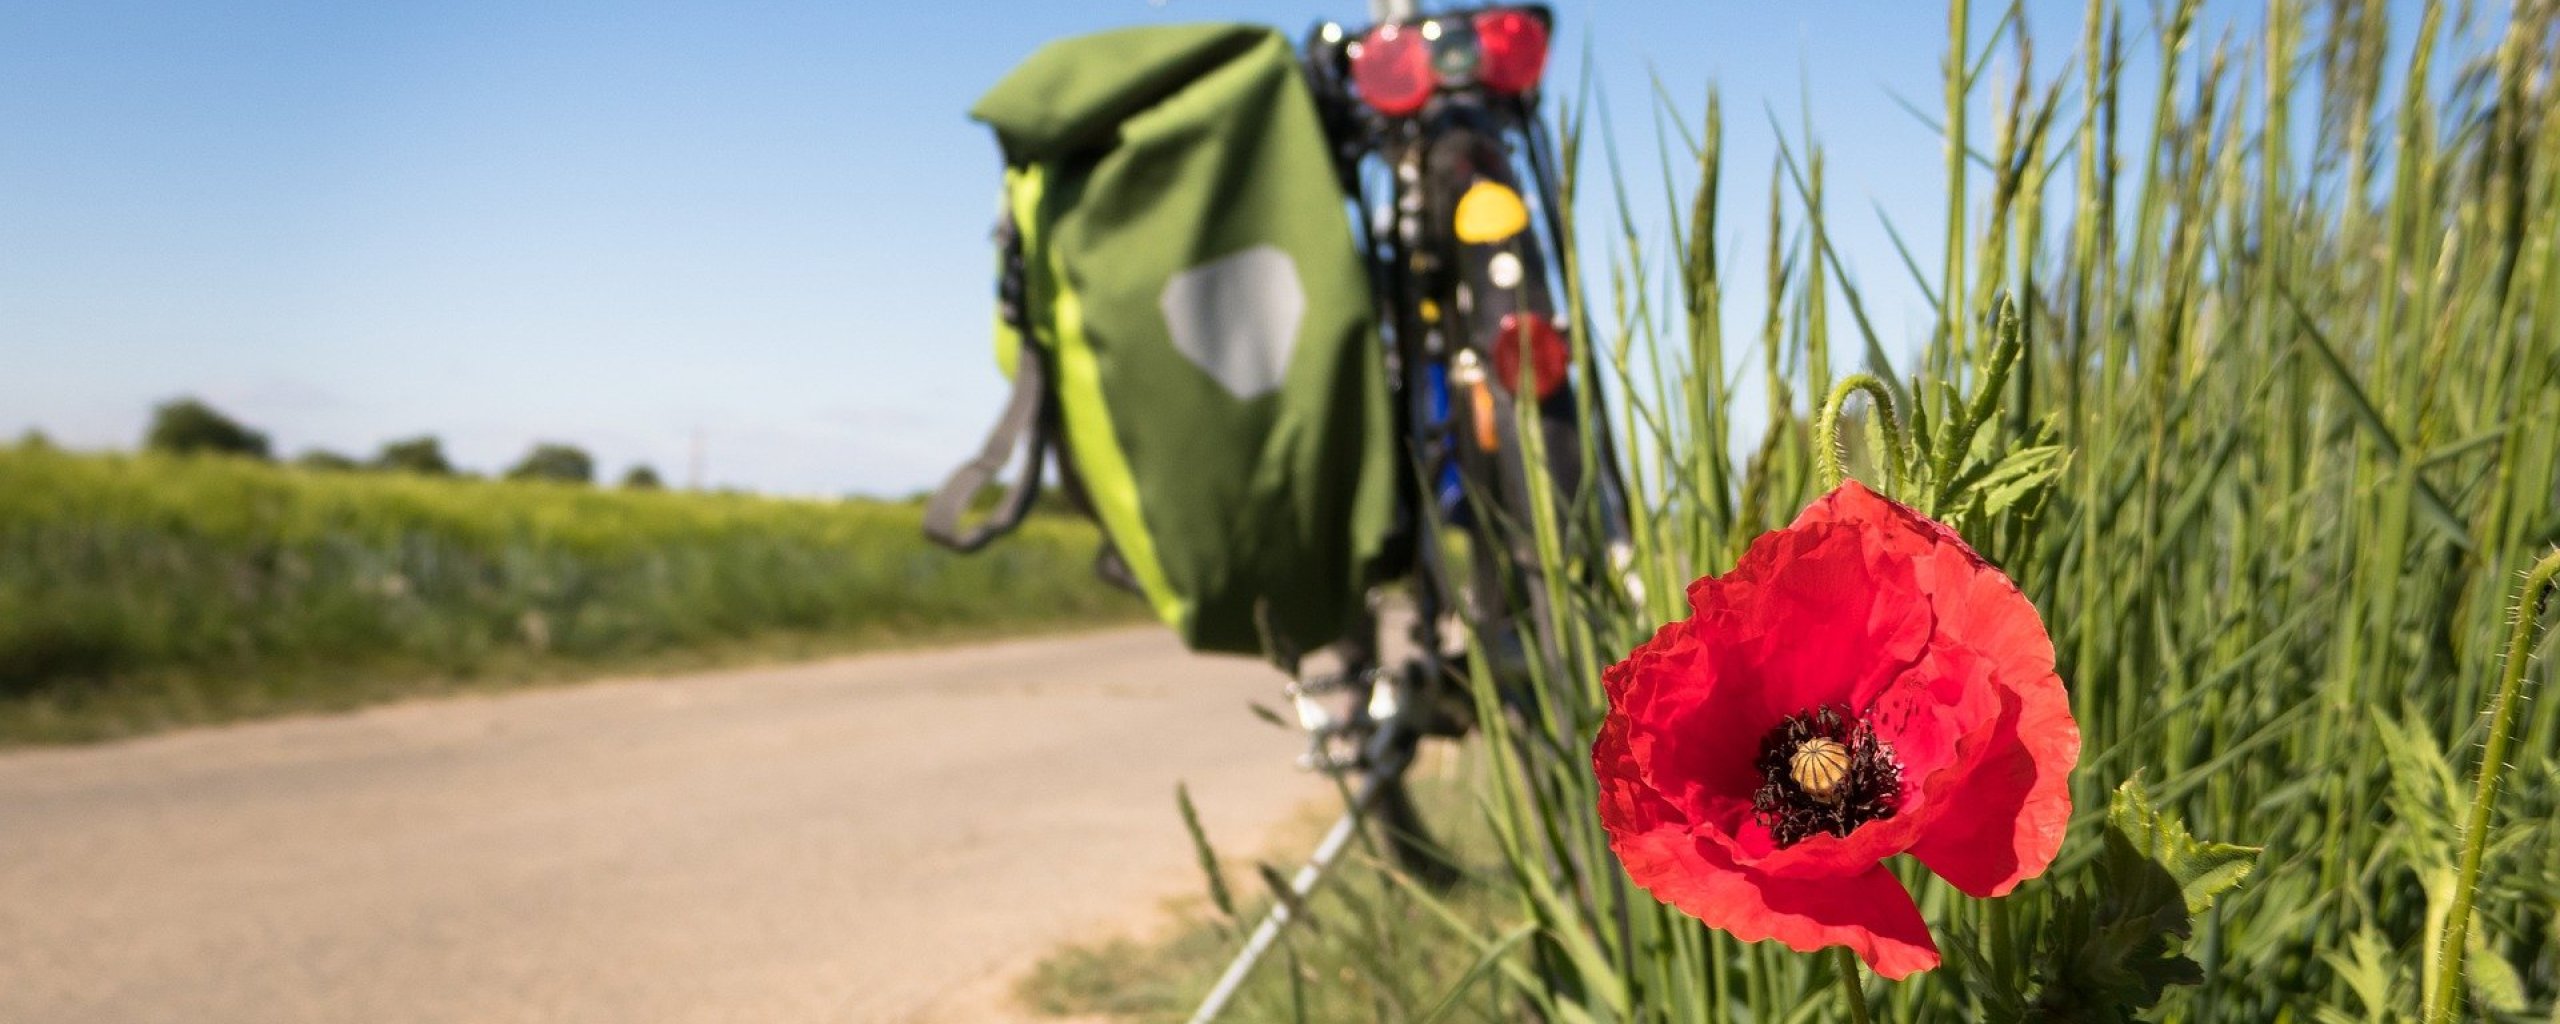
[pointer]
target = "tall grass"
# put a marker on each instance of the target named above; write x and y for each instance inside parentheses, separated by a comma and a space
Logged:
(2270, 444)
(137, 590)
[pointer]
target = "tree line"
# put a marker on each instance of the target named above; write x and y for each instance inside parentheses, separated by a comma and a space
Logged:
(188, 426)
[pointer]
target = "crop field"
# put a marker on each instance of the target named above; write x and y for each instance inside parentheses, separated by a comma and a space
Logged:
(140, 591)
(2246, 370)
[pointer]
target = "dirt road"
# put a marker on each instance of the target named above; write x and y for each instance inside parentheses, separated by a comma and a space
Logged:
(873, 839)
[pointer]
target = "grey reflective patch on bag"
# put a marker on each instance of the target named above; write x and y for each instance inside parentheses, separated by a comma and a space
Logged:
(1236, 317)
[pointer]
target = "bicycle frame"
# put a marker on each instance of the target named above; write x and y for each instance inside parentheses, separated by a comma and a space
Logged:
(1436, 298)
(1433, 296)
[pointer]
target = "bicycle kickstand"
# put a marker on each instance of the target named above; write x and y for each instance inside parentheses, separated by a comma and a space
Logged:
(1301, 886)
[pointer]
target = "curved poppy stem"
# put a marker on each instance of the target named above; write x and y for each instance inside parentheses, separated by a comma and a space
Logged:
(1849, 990)
(1826, 429)
(2493, 761)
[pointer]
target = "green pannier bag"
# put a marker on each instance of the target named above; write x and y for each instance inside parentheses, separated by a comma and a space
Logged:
(1188, 325)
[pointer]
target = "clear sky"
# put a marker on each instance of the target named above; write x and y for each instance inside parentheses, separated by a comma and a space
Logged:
(627, 224)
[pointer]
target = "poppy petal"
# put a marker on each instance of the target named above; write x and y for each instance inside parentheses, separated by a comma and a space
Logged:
(2005, 823)
(1869, 912)
(1778, 619)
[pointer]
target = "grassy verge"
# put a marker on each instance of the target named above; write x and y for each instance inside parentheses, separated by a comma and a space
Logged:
(139, 592)
(1380, 949)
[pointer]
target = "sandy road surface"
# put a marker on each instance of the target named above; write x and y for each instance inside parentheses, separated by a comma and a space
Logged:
(872, 839)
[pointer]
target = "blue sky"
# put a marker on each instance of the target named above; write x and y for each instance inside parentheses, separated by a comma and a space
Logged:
(630, 224)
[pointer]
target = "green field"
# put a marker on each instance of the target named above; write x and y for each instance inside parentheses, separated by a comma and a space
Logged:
(143, 591)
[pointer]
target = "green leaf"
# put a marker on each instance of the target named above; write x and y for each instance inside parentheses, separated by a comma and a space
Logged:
(1994, 993)
(2140, 837)
(2370, 976)
(2495, 985)
(1218, 893)
(2014, 477)
(2423, 792)
(2113, 945)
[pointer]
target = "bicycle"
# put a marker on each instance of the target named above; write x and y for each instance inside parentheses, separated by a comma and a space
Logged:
(1434, 124)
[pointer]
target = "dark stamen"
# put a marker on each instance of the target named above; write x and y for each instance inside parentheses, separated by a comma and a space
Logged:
(1867, 792)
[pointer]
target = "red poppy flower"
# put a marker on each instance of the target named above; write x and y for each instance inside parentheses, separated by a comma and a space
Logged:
(1861, 685)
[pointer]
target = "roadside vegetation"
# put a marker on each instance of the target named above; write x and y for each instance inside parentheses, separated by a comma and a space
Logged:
(2247, 370)
(1378, 951)
(143, 591)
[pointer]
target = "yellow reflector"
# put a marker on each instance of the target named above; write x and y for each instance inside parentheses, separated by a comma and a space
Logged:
(1489, 213)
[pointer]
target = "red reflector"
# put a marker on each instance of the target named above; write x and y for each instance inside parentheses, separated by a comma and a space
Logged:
(1515, 49)
(1548, 354)
(1393, 70)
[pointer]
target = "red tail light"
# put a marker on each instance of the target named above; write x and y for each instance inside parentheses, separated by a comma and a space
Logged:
(1514, 43)
(1548, 354)
(1392, 68)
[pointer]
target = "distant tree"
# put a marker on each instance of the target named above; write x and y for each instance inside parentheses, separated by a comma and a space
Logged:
(558, 462)
(326, 461)
(189, 427)
(423, 455)
(35, 440)
(642, 478)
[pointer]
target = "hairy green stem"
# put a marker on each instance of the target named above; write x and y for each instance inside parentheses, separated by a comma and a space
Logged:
(1826, 430)
(2493, 762)
(1849, 990)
